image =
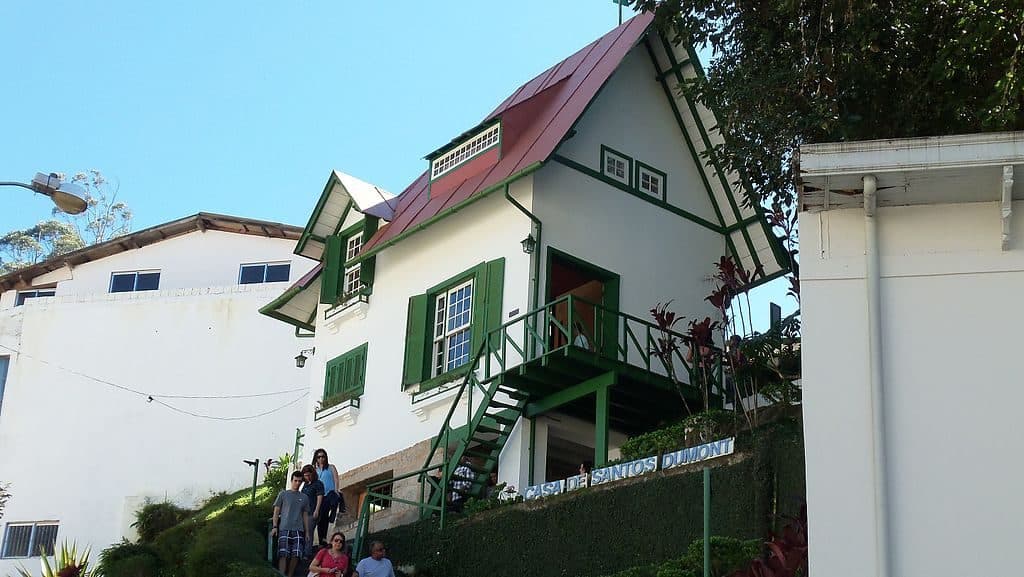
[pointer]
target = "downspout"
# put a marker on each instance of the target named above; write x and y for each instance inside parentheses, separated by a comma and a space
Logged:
(873, 279)
(536, 253)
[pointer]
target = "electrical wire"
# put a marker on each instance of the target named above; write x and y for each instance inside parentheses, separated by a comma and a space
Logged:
(151, 398)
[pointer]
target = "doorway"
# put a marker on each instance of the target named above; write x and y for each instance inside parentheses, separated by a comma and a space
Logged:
(594, 328)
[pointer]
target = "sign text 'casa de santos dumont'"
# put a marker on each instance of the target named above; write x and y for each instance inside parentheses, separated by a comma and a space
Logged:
(636, 468)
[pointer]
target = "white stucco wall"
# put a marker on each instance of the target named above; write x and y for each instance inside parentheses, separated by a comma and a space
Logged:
(78, 450)
(387, 421)
(951, 309)
(659, 255)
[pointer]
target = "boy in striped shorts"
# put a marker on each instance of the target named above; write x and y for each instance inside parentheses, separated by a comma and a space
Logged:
(291, 525)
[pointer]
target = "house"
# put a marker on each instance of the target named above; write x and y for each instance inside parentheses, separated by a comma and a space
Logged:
(140, 368)
(498, 308)
(912, 270)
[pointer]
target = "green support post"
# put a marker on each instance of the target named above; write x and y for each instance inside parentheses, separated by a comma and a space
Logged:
(707, 522)
(601, 428)
(298, 445)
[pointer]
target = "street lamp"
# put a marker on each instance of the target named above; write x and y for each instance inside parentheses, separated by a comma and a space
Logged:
(66, 195)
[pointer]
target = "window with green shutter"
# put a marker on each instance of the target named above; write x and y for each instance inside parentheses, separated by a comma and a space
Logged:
(447, 324)
(346, 375)
(342, 281)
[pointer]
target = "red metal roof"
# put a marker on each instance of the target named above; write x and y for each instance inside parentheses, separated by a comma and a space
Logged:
(535, 119)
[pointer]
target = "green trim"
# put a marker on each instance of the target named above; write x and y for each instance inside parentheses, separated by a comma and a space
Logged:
(286, 319)
(660, 76)
(473, 198)
(605, 149)
(702, 130)
(532, 451)
(345, 374)
(601, 418)
(642, 195)
(693, 153)
(270, 309)
(307, 232)
(609, 296)
(570, 394)
(651, 169)
(456, 374)
(344, 215)
(430, 167)
(458, 140)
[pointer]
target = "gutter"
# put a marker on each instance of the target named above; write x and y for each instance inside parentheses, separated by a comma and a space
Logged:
(874, 309)
(535, 257)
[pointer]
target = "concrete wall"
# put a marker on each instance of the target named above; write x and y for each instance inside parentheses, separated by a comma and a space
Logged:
(78, 449)
(950, 309)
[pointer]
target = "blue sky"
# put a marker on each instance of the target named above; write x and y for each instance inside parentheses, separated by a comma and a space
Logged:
(244, 107)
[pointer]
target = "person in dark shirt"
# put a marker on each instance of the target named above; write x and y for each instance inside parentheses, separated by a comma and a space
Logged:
(313, 489)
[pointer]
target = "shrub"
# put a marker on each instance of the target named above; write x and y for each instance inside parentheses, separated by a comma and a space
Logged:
(219, 545)
(154, 518)
(727, 555)
(243, 570)
(692, 430)
(173, 546)
(277, 473)
(126, 559)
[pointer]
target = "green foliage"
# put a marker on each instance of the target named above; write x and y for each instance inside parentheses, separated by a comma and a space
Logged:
(220, 545)
(786, 73)
(173, 545)
(494, 501)
(21, 248)
(153, 518)
(243, 570)
(651, 520)
(127, 559)
(277, 474)
(692, 430)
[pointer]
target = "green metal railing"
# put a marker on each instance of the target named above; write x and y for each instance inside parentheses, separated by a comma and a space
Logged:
(567, 323)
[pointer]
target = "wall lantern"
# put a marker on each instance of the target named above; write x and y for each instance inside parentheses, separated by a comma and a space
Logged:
(529, 244)
(300, 361)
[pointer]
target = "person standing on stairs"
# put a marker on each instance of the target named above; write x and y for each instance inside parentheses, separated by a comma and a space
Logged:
(291, 523)
(334, 503)
(313, 489)
(462, 483)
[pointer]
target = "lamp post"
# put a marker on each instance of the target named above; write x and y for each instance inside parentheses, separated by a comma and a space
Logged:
(66, 195)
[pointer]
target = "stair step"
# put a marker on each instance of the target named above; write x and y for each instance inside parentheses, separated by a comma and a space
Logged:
(484, 456)
(500, 431)
(492, 445)
(503, 405)
(514, 393)
(502, 419)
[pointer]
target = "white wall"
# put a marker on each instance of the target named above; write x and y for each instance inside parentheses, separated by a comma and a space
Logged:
(659, 255)
(196, 259)
(951, 310)
(387, 420)
(76, 449)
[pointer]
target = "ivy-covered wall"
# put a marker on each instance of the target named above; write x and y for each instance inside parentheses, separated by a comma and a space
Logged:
(600, 531)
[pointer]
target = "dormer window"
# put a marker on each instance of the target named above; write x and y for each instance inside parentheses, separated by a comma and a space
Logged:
(616, 166)
(486, 139)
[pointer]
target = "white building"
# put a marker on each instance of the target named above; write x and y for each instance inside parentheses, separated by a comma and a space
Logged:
(168, 312)
(912, 272)
(499, 306)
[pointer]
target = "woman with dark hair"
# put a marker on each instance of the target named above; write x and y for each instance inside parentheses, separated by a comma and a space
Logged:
(313, 489)
(333, 502)
(332, 561)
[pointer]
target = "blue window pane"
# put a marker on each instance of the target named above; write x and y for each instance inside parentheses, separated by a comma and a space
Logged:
(278, 272)
(252, 274)
(122, 283)
(148, 281)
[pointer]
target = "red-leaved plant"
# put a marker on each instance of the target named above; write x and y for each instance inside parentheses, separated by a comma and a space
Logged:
(787, 553)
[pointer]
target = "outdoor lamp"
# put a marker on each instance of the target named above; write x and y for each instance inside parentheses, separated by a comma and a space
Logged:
(66, 195)
(300, 360)
(529, 244)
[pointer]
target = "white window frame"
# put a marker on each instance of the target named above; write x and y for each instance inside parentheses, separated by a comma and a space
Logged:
(353, 276)
(644, 172)
(32, 294)
(626, 166)
(265, 266)
(135, 284)
(443, 336)
(449, 161)
(31, 540)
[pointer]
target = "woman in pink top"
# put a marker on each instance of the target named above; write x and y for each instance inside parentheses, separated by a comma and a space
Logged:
(333, 561)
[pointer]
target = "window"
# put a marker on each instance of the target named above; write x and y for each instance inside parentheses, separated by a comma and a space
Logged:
(452, 330)
(25, 295)
(616, 165)
(126, 282)
(264, 272)
(446, 325)
(346, 375)
(650, 180)
(353, 280)
(453, 158)
(29, 539)
(5, 363)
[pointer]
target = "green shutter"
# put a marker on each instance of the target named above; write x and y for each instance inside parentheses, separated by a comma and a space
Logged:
(415, 340)
(495, 288)
(334, 269)
(346, 374)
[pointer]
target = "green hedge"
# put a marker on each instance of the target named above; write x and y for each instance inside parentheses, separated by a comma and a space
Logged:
(601, 531)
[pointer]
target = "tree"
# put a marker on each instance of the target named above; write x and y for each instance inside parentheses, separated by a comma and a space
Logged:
(105, 218)
(786, 73)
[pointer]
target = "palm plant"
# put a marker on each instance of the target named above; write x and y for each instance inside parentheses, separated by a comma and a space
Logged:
(68, 562)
